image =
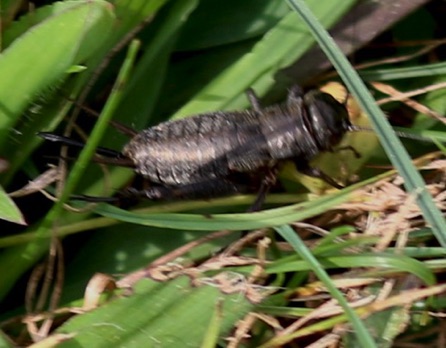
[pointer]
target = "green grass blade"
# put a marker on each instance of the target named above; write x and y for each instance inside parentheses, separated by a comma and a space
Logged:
(390, 142)
(412, 72)
(386, 261)
(298, 245)
(198, 222)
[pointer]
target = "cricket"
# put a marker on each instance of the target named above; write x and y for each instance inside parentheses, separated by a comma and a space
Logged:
(213, 154)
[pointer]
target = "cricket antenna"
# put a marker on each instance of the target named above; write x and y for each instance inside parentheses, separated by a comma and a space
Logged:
(128, 131)
(399, 133)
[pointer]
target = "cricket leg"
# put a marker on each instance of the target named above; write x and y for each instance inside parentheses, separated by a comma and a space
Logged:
(306, 169)
(202, 190)
(295, 94)
(268, 181)
(350, 148)
(253, 100)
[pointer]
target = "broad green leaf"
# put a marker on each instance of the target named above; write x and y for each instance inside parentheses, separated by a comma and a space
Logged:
(53, 108)
(131, 13)
(216, 23)
(279, 47)
(128, 249)
(37, 247)
(169, 314)
(8, 210)
(32, 18)
(41, 57)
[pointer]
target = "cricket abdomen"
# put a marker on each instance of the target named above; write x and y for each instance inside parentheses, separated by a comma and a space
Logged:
(191, 150)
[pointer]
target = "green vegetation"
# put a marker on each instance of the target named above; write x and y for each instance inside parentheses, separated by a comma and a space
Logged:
(354, 267)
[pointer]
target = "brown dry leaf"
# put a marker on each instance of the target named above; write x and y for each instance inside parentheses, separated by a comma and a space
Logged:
(327, 309)
(389, 210)
(38, 184)
(402, 299)
(98, 285)
(53, 340)
(344, 283)
(387, 89)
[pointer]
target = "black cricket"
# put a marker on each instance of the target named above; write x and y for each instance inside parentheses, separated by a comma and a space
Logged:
(213, 154)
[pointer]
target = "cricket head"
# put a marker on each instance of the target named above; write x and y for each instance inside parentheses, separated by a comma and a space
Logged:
(328, 119)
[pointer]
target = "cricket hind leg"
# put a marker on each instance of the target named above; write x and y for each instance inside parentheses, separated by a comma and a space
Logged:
(212, 189)
(269, 180)
(202, 190)
(254, 100)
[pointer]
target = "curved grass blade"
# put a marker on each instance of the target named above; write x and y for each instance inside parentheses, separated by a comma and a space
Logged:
(245, 221)
(388, 261)
(390, 142)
